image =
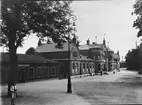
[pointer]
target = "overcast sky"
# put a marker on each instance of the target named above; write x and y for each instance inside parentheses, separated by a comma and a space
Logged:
(96, 18)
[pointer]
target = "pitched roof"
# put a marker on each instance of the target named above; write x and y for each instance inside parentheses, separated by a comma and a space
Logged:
(25, 58)
(110, 50)
(85, 57)
(82, 57)
(52, 48)
(87, 47)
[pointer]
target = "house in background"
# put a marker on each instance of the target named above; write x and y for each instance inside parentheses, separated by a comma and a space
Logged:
(116, 58)
(98, 53)
(30, 68)
(72, 59)
(104, 59)
(113, 60)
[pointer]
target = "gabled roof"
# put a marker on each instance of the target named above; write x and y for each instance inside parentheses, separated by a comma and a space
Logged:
(52, 47)
(25, 58)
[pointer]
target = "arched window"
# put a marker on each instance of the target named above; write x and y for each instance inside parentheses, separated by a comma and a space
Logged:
(80, 68)
(76, 68)
(87, 67)
(83, 67)
(73, 66)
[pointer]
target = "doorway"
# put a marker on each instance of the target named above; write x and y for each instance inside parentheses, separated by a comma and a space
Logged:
(21, 75)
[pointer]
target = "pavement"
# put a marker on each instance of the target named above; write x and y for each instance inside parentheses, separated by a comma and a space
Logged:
(47, 92)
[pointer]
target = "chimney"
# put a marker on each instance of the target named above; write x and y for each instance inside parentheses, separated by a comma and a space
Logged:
(88, 41)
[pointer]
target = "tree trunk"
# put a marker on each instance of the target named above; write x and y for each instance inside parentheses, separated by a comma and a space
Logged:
(13, 66)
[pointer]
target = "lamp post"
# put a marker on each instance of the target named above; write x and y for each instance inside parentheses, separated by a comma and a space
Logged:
(69, 85)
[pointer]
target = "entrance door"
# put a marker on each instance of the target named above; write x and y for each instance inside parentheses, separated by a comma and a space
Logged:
(21, 75)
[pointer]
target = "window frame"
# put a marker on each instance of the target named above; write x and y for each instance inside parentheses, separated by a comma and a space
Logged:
(48, 71)
(52, 70)
(38, 70)
(33, 69)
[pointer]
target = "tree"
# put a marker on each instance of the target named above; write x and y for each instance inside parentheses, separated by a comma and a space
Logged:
(138, 12)
(31, 51)
(132, 60)
(43, 18)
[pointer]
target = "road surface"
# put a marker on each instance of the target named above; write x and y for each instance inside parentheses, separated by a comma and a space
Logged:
(124, 87)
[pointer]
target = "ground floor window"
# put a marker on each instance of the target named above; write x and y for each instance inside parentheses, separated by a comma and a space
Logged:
(76, 68)
(87, 68)
(73, 68)
(93, 67)
(53, 71)
(38, 71)
(80, 68)
(31, 72)
(83, 67)
(46, 71)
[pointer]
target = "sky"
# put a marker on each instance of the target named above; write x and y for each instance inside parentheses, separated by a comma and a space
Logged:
(98, 17)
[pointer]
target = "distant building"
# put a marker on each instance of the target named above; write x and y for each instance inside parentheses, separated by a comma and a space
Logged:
(105, 59)
(96, 52)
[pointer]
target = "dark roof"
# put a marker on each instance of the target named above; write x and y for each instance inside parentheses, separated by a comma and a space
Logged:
(87, 47)
(82, 58)
(52, 48)
(85, 58)
(25, 58)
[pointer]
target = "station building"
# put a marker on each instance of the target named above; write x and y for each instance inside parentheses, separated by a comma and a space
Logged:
(70, 57)
(30, 68)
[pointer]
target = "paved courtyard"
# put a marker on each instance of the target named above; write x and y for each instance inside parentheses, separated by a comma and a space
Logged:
(50, 92)
(120, 88)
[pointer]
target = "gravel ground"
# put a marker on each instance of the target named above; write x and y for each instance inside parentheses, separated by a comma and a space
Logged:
(50, 92)
(124, 87)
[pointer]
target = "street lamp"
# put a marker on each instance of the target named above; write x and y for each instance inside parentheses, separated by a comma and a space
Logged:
(69, 85)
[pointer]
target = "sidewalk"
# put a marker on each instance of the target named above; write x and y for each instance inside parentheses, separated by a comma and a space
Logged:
(47, 92)
(50, 92)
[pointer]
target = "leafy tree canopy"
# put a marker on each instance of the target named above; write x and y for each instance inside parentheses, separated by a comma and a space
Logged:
(138, 12)
(133, 59)
(45, 18)
(31, 51)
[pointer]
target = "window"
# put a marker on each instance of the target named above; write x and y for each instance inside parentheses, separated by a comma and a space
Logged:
(53, 71)
(4, 72)
(80, 67)
(38, 71)
(46, 71)
(31, 72)
(83, 67)
(75, 54)
(76, 68)
(87, 66)
(73, 66)
(90, 67)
